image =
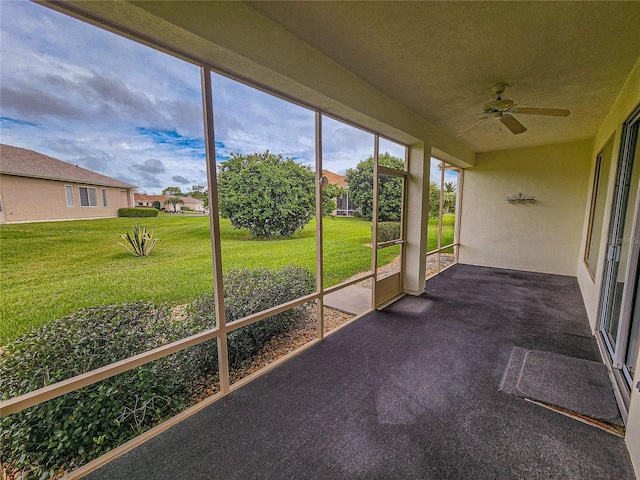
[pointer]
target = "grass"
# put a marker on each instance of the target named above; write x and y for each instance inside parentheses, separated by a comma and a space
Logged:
(448, 224)
(51, 269)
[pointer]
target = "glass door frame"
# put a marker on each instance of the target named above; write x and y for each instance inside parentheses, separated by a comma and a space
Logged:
(617, 352)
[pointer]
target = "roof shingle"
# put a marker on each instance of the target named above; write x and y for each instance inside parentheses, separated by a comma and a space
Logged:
(27, 163)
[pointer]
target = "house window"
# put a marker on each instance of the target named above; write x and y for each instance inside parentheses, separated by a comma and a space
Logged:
(597, 210)
(68, 190)
(105, 203)
(88, 196)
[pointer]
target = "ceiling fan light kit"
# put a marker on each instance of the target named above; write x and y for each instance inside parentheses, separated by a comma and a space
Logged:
(503, 110)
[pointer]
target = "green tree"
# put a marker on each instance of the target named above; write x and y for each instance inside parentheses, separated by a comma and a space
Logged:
(266, 194)
(434, 200)
(360, 180)
(157, 205)
(449, 204)
(174, 201)
(173, 191)
(329, 195)
(197, 191)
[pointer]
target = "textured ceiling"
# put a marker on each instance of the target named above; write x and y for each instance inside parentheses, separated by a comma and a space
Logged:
(440, 58)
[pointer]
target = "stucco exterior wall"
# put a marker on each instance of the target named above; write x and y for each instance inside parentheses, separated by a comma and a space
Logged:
(625, 103)
(27, 199)
(543, 236)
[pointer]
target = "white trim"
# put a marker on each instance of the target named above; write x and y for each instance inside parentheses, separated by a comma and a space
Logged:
(95, 189)
(69, 189)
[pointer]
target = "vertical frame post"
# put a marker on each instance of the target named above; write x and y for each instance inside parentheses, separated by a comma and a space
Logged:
(374, 218)
(214, 219)
(319, 237)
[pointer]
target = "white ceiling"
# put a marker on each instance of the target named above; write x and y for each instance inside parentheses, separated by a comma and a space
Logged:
(440, 58)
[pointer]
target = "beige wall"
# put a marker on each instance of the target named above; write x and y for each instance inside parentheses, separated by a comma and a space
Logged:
(541, 237)
(27, 199)
(625, 103)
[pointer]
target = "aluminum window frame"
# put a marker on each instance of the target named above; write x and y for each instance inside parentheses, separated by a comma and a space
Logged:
(599, 191)
(89, 197)
(68, 192)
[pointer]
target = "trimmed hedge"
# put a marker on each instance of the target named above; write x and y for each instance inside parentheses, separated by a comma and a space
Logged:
(75, 428)
(137, 212)
(388, 231)
(250, 291)
(79, 426)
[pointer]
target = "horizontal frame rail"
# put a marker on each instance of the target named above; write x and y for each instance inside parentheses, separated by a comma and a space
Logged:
(439, 250)
(57, 389)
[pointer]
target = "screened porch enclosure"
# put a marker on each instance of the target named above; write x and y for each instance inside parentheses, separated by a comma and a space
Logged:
(386, 354)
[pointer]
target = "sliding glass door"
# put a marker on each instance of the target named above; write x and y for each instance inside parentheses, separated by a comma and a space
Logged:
(619, 313)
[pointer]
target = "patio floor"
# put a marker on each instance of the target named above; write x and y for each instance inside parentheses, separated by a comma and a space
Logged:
(410, 392)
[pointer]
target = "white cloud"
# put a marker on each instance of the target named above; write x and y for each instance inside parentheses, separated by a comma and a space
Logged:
(93, 98)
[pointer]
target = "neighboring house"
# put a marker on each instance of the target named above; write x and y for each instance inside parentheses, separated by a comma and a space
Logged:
(344, 207)
(36, 188)
(191, 203)
(143, 200)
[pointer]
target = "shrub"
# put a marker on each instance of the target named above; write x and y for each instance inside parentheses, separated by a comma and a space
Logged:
(266, 194)
(388, 231)
(81, 425)
(141, 242)
(250, 291)
(157, 205)
(137, 212)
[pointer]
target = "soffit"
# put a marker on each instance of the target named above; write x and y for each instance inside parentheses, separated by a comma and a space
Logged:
(440, 58)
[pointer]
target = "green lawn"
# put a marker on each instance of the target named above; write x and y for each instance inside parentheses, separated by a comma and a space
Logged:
(448, 224)
(51, 269)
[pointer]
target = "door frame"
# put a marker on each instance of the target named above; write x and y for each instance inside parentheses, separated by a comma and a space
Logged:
(391, 287)
(615, 355)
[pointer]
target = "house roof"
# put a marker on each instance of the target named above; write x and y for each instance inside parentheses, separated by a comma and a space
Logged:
(27, 163)
(143, 197)
(335, 179)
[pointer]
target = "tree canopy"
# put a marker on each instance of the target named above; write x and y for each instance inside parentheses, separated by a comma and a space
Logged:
(434, 200)
(173, 191)
(360, 180)
(266, 194)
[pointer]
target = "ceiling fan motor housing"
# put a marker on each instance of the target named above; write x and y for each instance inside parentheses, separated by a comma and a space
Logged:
(498, 105)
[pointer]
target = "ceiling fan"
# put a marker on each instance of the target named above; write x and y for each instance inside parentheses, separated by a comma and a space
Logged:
(503, 108)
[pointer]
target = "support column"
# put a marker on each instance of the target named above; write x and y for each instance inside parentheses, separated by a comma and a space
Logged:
(417, 218)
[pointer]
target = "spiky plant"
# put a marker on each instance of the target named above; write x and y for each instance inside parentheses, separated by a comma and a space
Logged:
(140, 242)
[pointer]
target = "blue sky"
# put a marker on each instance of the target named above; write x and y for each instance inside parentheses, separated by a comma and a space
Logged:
(95, 99)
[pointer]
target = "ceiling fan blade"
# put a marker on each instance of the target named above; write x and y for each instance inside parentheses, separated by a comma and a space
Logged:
(512, 124)
(461, 118)
(554, 112)
(473, 125)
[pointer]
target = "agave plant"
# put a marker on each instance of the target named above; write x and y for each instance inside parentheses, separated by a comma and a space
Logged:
(140, 242)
